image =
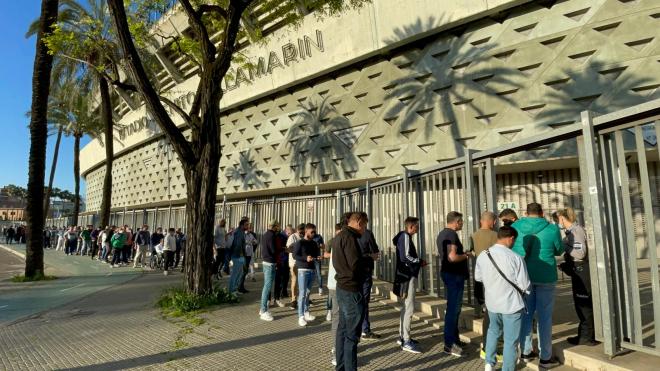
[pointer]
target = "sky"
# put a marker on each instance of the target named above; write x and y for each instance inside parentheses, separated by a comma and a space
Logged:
(16, 65)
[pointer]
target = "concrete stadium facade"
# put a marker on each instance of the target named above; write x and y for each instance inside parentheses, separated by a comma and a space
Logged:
(335, 103)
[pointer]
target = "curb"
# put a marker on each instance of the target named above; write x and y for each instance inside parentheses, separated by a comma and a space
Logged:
(20, 255)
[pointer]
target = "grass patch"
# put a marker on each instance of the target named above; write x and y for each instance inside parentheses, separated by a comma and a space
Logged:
(38, 277)
(176, 302)
(180, 344)
(195, 321)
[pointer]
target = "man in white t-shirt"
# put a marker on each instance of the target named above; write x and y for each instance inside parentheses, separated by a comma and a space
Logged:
(505, 279)
(293, 238)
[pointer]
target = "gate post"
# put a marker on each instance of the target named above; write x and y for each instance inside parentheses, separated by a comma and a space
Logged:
(405, 195)
(316, 205)
(367, 202)
(593, 193)
(468, 179)
(491, 190)
(340, 212)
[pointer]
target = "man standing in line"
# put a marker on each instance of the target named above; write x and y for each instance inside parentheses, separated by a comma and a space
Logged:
(408, 265)
(504, 276)
(142, 240)
(371, 253)
(538, 243)
(481, 240)
(128, 245)
(508, 217)
(237, 244)
(454, 271)
(293, 276)
(95, 243)
(333, 308)
(317, 264)
(86, 236)
(281, 269)
(268, 242)
(306, 252)
(220, 241)
(352, 271)
(169, 247)
(180, 248)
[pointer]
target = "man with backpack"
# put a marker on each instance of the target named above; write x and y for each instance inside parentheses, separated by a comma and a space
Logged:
(538, 243)
(408, 265)
(505, 280)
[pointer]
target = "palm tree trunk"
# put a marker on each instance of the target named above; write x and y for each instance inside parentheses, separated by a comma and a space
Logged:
(76, 177)
(106, 119)
(43, 63)
(52, 173)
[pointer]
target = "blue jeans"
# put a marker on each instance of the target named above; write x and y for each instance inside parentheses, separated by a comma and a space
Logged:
(236, 273)
(104, 253)
(305, 279)
(541, 300)
(366, 296)
(269, 277)
(319, 277)
(455, 284)
(351, 312)
(510, 324)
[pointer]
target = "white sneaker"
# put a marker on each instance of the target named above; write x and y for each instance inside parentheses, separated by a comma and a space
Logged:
(308, 317)
(334, 361)
(328, 317)
(488, 367)
(280, 304)
(320, 291)
(266, 316)
(166, 273)
(302, 322)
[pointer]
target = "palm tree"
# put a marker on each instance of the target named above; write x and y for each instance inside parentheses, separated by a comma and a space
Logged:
(43, 63)
(84, 38)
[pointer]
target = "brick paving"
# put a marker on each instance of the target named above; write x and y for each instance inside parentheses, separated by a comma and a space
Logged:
(119, 328)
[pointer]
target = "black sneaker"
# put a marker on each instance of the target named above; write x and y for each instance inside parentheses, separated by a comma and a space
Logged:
(243, 291)
(453, 350)
(528, 357)
(370, 336)
(549, 363)
(461, 343)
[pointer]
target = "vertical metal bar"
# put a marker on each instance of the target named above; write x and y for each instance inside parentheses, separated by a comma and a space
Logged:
(468, 180)
(339, 208)
(491, 184)
(316, 205)
(404, 196)
(650, 228)
(169, 216)
(367, 195)
(156, 218)
(594, 193)
(635, 308)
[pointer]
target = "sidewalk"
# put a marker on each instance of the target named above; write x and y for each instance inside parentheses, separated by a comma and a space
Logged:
(119, 328)
(78, 276)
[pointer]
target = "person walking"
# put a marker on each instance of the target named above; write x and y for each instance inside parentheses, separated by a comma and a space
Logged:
(268, 242)
(142, 240)
(169, 247)
(352, 272)
(293, 276)
(408, 265)
(504, 277)
(306, 251)
(371, 254)
(117, 241)
(538, 242)
(454, 271)
(236, 242)
(220, 242)
(481, 240)
(576, 266)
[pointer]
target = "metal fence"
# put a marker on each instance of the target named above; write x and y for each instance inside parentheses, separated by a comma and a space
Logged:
(615, 191)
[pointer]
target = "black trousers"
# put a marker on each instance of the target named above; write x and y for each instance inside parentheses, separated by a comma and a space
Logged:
(167, 259)
(584, 308)
(219, 260)
(480, 295)
(281, 280)
(366, 296)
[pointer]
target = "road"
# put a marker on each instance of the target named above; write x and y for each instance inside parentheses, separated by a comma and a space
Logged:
(77, 277)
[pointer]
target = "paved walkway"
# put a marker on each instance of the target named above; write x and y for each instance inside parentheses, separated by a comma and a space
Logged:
(119, 328)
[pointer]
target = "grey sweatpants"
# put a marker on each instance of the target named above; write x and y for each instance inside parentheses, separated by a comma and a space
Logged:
(407, 311)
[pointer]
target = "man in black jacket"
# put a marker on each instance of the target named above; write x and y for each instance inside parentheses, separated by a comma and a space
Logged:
(268, 255)
(352, 272)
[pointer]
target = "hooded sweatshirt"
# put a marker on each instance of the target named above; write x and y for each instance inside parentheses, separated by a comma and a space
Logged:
(408, 263)
(538, 242)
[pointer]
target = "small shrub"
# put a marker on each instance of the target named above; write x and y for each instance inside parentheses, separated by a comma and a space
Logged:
(38, 277)
(176, 302)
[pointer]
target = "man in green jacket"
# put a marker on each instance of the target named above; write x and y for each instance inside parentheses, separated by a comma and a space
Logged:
(117, 241)
(538, 242)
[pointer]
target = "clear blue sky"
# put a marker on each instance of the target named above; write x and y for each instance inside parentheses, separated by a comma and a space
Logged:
(16, 65)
